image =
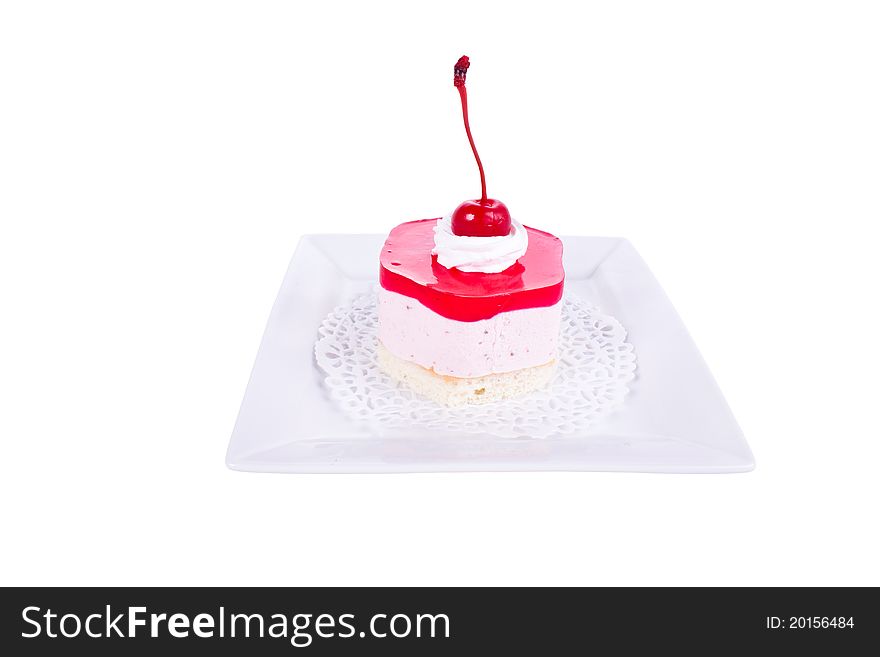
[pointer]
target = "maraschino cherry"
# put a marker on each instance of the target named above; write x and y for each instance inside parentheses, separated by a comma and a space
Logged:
(486, 217)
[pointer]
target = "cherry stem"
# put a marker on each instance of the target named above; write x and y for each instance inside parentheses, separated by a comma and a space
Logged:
(462, 91)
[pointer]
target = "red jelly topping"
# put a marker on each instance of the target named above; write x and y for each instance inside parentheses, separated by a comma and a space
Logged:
(408, 268)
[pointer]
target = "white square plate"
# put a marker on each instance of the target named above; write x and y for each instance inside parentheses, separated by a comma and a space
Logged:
(674, 419)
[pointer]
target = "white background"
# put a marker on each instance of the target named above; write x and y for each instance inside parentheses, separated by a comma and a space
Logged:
(159, 161)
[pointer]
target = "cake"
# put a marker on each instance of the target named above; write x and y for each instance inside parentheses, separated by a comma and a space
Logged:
(470, 303)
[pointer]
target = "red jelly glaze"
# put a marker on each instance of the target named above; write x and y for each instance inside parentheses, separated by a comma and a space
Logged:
(408, 268)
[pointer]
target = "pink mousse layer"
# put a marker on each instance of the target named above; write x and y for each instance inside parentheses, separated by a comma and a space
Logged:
(506, 342)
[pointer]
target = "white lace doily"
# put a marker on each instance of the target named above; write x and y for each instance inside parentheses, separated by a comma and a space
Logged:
(595, 366)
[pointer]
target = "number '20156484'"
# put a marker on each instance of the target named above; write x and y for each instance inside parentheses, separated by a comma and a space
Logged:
(810, 622)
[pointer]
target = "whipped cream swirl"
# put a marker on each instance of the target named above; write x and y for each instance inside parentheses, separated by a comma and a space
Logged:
(488, 255)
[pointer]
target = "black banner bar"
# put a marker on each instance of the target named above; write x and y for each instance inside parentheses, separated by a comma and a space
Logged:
(419, 621)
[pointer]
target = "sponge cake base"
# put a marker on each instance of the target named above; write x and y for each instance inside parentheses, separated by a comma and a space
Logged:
(457, 391)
